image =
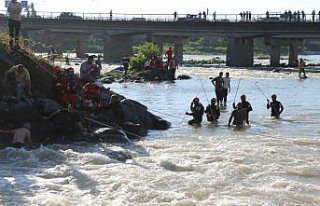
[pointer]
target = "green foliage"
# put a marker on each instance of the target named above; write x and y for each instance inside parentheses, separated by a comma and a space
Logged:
(145, 52)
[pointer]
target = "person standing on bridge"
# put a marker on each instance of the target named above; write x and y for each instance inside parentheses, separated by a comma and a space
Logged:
(313, 15)
(14, 22)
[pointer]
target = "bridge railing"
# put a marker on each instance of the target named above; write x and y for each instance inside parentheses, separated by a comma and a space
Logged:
(201, 17)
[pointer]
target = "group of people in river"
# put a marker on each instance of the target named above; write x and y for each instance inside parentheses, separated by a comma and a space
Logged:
(239, 116)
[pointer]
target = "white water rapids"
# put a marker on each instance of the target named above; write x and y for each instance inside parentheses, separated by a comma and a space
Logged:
(273, 162)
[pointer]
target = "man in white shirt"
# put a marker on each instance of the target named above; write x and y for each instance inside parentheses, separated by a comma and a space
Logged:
(226, 88)
(89, 72)
(14, 23)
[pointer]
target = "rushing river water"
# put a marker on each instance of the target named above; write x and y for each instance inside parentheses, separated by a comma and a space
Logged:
(273, 162)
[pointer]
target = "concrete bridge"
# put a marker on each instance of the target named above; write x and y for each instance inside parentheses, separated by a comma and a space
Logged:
(118, 34)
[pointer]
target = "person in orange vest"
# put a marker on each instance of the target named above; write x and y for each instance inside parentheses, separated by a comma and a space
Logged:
(69, 84)
(169, 55)
(91, 97)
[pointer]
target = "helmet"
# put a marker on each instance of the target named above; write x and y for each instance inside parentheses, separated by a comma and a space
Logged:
(274, 96)
(196, 100)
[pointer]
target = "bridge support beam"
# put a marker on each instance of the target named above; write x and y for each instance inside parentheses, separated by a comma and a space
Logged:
(178, 52)
(240, 52)
(80, 48)
(275, 55)
(116, 46)
(293, 53)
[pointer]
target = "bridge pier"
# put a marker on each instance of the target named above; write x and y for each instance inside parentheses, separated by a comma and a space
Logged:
(80, 48)
(116, 46)
(275, 55)
(240, 52)
(293, 53)
(276, 43)
(178, 52)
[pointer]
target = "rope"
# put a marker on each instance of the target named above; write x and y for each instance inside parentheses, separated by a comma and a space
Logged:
(106, 125)
(188, 109)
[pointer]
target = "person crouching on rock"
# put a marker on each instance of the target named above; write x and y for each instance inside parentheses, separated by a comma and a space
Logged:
(69, 85)
(197, 111)
(23, 80)
(117, 110)
(212, 111)
(21, 136)
(91, 98)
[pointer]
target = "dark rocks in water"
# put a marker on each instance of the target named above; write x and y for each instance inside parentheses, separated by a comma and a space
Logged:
(15, 114)
(107, 80)
(134, 131)
(183, 77)
(110, 135)
(118, 69)
(47, 106)
(138, 120)
(276, 70)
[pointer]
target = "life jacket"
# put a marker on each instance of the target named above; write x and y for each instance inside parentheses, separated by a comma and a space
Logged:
(91, 95)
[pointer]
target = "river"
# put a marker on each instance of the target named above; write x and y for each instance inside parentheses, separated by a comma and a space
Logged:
(272, 162)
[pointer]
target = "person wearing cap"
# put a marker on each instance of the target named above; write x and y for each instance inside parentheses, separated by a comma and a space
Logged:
(89, 72)
(197, 111)
(22, 78)
(245, 105)
(212, 111)
(14, 9)
(21, 136)
(276, 106)
(238, 116)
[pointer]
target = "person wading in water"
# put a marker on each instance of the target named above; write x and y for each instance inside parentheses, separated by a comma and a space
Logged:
(197, 111)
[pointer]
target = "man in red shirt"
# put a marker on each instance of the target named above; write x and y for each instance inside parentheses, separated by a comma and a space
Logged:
(169, 55)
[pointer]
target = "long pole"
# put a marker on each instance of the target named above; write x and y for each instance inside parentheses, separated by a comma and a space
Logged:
(260, 90)
(235, 96)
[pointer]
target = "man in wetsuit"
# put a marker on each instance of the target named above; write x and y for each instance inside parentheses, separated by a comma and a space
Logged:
(239, 115)
(245, 105)
(276, 106)
(21, 136)
(218, 83)
(212, 111)
(197, 110)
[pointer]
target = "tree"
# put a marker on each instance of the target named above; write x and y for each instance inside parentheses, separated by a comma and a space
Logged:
(145, 52)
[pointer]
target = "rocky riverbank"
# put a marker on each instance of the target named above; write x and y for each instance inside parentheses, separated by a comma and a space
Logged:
(43, 103)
